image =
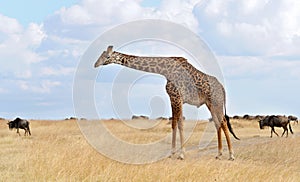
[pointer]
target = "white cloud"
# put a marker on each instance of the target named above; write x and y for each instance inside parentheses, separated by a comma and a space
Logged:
(253, 28)
(33, 35)
(65, 46)
(179, 11)
(44, 87)
(107, 13)
(289, 17)
(60, 71)
(100, 12)
(250, 7)
(214, 8)
(75, 15)
(259, 68)
(9, 26)
(17, 47)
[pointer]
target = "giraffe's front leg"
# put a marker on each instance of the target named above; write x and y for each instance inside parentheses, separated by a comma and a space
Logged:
(176, 104)
(174, 129)
(182, 149)
(219, 143)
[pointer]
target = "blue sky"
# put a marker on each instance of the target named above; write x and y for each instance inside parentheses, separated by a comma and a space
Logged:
(41, 42)
(32, 10)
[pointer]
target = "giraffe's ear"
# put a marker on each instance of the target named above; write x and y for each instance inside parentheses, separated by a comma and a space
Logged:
(109, 49)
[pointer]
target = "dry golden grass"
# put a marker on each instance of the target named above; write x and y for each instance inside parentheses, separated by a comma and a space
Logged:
(57, 151)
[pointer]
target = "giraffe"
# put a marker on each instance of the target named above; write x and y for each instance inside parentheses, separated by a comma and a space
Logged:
(185, 84)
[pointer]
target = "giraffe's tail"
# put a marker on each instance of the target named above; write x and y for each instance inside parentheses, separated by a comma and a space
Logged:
(230, 128)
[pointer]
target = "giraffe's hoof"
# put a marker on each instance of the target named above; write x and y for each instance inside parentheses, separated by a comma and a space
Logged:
(218, 157)
(181, 157)
(231, 158)
(172, 156)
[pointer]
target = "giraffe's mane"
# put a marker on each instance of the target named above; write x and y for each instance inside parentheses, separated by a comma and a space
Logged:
(181, 59)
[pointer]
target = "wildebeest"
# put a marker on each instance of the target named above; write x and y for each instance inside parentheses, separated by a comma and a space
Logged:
(276, 121)
(19, 123)
(140, 117)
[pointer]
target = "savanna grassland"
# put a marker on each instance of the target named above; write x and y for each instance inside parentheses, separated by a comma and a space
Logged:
(57, 151)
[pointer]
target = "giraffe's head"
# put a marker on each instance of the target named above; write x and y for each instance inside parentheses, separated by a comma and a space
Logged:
(104, 59)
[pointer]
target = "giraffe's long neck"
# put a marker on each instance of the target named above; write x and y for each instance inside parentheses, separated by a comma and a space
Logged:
(161, 65)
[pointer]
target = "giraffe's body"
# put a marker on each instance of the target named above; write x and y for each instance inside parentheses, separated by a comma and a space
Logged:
(185, 84)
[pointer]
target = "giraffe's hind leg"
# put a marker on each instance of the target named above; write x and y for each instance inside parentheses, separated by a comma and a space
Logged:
(217, 120)
(226, 132)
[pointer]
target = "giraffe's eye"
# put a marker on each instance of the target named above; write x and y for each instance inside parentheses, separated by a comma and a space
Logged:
(108, 57)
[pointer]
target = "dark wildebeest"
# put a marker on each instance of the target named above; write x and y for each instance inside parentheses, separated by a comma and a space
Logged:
(276, 121)
(19, 123)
